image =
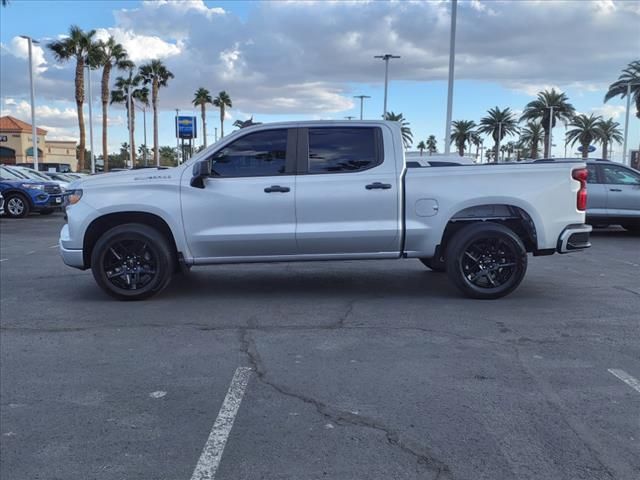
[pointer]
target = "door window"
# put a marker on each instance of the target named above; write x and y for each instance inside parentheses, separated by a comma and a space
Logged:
(254, 155)
(344, 149)
(593, 174)
(619, 176)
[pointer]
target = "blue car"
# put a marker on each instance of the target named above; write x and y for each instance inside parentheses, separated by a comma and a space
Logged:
(23, 195)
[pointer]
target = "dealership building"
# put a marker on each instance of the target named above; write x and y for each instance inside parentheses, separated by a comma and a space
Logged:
(16, 145)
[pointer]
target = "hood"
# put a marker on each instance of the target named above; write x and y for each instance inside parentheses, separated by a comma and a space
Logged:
(140, 176)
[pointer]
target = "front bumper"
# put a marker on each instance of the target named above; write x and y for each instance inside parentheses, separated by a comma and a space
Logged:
(573, 238)
(70, 256)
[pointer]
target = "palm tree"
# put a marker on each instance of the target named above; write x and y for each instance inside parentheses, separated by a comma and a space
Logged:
(111, 54)
(609, 132)
(202, 97)
(477, 141)
(169, 156)
(222, 101)
(630, 75)
(498, 123)
(540, 109)
(143, 152)
(421, 147)
(79, 45)
(510, 147)
(432, 144)
(585, 131)
(130, 86)
(531, 137)
(461, 134)
(407, 135)
(157, 75)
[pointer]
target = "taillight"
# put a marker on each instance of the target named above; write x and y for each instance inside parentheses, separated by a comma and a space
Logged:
(581, 174)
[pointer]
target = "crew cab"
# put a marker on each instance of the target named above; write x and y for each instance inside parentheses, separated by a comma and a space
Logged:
(23, 195)
(322, 190)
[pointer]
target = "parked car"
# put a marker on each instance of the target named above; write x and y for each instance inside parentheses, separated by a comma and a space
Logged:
(322, 191)
(23, 195)
(614, 195)
(1, 204)
(60, 177)
(48, 166)
(41, 176)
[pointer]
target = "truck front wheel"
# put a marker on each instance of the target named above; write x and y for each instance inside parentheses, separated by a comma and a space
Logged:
(486, 260)
(132, 262)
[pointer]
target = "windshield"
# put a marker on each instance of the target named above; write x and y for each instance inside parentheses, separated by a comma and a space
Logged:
(33, 174)
(7, 174)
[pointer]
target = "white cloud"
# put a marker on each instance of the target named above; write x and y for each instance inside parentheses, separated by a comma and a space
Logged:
(610, 111)
(140, 47)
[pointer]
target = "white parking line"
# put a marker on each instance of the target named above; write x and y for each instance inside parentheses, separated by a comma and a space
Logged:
(626, 378)
(212, 451)
(3, 259)
(54, 246)
(30, 252)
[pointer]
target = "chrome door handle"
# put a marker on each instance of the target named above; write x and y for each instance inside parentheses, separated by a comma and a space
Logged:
(276, 188)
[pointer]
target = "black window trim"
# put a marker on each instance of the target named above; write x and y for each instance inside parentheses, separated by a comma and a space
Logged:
(290, 155)
(302, 164)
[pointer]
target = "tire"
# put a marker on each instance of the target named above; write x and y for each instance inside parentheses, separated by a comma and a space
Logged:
(474, 256)
(435, 264)
(16, 206)
(47, 211)
(132, 262)
(633, 228)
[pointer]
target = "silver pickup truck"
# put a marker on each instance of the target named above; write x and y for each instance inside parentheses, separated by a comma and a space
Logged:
(322, 191)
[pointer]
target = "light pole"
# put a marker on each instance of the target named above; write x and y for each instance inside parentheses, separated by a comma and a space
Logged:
(177, 136)
(386, 57)
(361, 97)
(626, 124)
(130, 119)
(144, 123)
(550, 130)
(34, 130)
(452, 58)
(93, 156)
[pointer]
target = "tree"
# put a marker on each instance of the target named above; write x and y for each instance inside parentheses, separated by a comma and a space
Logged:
(540, 109)
(608, 132)
(143, 152)
(130, 86)
(531, 137)
(510, 148)
(432, 145)
(111, 54)
(201, 98)
(585, 131)
(630, 75)
(168, 156)
(421, 147)
(407, 135)
(461, 133)
(156, 74)
(79, 45)
(222, 101)
(498, 123)
(245, 123)
(477, 141)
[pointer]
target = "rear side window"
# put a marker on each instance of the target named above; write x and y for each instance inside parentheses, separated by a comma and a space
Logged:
(593, 174)
(254, 155)
(344, 149)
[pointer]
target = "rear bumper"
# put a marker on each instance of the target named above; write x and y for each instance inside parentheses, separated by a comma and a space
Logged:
(574, 237)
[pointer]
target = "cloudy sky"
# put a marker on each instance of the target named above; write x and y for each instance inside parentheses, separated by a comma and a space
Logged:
(290, 60)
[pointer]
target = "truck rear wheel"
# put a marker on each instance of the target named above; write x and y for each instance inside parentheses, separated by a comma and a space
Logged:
(486, 260)
(132, 262)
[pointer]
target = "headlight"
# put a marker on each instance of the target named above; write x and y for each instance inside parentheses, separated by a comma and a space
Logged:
(33, 186)
(73, 196)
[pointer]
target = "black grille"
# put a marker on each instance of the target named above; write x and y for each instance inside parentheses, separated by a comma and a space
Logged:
(52, 189)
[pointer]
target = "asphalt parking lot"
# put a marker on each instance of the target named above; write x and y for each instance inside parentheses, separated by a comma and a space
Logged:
(358, 370)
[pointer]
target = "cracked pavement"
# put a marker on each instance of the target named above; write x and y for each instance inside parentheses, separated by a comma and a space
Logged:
(361, 370)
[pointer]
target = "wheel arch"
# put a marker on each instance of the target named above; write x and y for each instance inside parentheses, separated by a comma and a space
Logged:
(10, 191)
(105, 222)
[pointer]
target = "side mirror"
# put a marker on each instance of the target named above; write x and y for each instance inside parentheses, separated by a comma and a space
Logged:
(201, 170)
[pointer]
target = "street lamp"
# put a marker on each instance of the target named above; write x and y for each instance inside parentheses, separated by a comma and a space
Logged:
(34, 131)
(144, 120)
(452, 57)
(626, 123)
(361, 97)
(93, 156)
(386, 57)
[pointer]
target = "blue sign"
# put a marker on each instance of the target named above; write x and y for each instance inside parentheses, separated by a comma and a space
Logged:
(592, 148)
(186, 127)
